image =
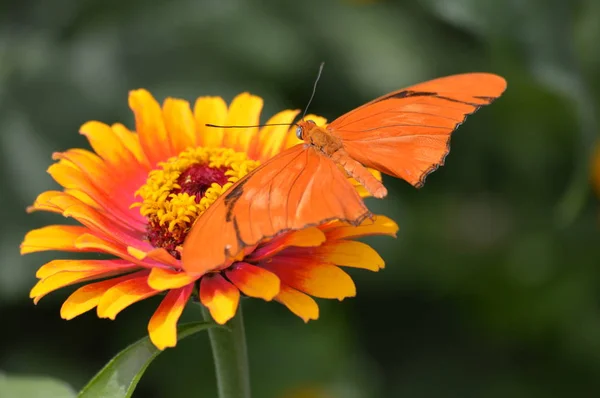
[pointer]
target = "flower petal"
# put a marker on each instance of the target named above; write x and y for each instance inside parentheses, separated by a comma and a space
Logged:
(243, 111)
(132, 141)
(253, 281)
(312, 277)
(165, 279)
(272, 138)
(307, 237)
(159, 255)
(108, 145)
(87, 297)
(180, 124)
(66, 278)
(299, 303)
(350, 253)
(211, 110)
(52, 237)
(150, 126)
(56, 266)
(381, 225)
(220, 297)
(162, 327)
(122, 295)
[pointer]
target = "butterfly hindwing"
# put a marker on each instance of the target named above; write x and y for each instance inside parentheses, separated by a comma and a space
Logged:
(406, 133)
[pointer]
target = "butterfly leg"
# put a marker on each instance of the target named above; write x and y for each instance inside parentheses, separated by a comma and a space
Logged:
(359, 173)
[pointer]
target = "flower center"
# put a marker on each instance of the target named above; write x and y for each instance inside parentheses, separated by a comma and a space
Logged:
(183, 187)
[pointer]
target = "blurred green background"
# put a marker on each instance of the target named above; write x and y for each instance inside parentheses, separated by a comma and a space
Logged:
(492, 288)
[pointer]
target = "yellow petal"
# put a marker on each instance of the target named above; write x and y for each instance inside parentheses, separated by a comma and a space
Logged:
(180, 124)
(220, 297)
(52, 237)
(162, 327)
(299, 303)
(87, 297)
(65, 278)
(165, 279)
(254, 281)
(150, 126)
(350, 253)
(243, 111)
(211, 110)
(121, 296)
(107, 144)
(272, 138)
(381, 225)
(315, 278)
(132, 142)
(56, 266)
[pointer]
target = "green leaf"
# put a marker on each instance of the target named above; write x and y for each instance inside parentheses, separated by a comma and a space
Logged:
(34, 387)
(121, 375)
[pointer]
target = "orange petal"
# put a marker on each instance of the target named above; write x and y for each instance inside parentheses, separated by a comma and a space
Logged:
(87, 297)
(163, 324)
(108, 144)
(382, 225)
(150, 127)
(157, 254)
(350, 253)
(211, 110)
(180, 124)
(66, 278)
(220, 297)
(96, 221)
(254, 281)
(52, 237)
(243, 111)
(299, 303)
(291, 138)
(165, 279)
(81, 188)
(56, 266)
(121, 296)
(271, 138)
(95, 243)
(317, 279)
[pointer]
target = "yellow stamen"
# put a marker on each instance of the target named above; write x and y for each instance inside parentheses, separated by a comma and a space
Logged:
(176, 211)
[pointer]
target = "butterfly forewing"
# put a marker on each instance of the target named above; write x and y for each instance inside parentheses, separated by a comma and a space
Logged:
(298, 188)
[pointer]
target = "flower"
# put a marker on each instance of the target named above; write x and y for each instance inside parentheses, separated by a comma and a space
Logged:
(138, 193)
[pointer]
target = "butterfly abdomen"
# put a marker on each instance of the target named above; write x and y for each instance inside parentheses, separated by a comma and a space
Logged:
(359, 173)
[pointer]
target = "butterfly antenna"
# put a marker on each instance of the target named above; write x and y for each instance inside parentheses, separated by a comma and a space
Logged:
(314, 90)
(243, 127)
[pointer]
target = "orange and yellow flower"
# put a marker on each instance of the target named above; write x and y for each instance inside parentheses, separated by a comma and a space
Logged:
(137, 195)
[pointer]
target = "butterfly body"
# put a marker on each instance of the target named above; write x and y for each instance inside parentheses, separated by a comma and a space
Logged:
(405, 134)
(331, 145)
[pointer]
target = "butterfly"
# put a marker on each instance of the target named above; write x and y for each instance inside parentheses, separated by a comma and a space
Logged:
(405, 134)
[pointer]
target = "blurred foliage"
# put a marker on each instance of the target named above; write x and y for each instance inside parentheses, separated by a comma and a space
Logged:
(492, 288)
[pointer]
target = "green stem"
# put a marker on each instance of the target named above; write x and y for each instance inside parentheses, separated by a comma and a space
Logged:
(231, 356)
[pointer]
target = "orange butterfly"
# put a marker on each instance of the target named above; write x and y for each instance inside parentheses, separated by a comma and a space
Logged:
(405, 134)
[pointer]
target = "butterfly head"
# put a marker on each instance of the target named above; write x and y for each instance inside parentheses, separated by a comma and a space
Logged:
(303, 128)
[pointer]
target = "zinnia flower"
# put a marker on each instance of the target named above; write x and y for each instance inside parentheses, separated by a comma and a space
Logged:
(138, 194)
